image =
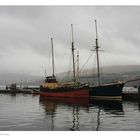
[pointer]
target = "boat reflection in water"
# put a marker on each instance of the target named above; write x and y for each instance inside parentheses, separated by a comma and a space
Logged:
(109, 106)
(80, 110)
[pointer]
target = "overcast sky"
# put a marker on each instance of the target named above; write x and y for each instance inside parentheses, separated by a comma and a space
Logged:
(26, 31)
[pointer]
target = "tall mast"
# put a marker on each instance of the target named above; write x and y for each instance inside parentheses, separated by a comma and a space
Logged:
(52, 57)
(77, 66)
(97, 54)
(74, 79)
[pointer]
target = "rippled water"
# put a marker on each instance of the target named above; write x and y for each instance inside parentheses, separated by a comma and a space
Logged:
(26, 112)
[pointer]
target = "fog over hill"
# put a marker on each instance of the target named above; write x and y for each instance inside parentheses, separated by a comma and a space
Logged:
(110, 73)
(133, 69)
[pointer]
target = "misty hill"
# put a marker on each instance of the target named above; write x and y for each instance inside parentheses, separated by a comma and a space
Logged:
(111, 73)
(108, 74)
(107, 70)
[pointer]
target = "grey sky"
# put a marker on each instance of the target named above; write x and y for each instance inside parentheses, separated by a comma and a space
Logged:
(25, 33)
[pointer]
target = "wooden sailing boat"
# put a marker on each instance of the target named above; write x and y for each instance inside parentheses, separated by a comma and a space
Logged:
(111, 90)
(50, 87)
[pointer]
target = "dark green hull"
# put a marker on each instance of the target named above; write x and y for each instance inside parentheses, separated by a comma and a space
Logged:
(112, 90)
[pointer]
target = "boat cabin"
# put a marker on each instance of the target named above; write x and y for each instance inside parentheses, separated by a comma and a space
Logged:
(50, 79)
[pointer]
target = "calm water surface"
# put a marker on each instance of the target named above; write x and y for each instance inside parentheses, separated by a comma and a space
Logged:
(26, 112)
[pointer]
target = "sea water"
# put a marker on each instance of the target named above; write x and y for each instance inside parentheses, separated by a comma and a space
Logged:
(27, 112)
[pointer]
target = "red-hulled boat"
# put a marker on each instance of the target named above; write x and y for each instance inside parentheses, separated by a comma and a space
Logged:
(50, 87)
